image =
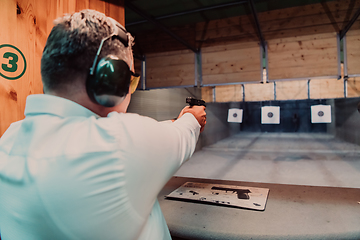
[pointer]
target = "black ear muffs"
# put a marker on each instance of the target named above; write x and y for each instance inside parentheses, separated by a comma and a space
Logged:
(109, 83)
(109, 78)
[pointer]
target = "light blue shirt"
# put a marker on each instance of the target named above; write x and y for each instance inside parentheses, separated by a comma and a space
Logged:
(66, 173)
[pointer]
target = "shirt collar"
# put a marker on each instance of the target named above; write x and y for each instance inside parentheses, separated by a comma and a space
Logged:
(49, 104)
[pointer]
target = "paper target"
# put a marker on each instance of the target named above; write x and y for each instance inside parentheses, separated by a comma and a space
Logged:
(270, 115)
(235, 115)
(321, 114)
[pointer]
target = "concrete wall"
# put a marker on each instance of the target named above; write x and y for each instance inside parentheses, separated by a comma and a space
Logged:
(166, 104)
(347, 120)
(161, 104)
(217, 127)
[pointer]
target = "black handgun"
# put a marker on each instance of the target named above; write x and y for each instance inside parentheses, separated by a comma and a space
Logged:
(195, 102)
(241, 193)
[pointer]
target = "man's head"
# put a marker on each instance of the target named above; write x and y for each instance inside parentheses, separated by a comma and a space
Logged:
(71, 49)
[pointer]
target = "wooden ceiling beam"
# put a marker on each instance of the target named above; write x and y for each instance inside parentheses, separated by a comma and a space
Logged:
(348, 26)
(257, 24)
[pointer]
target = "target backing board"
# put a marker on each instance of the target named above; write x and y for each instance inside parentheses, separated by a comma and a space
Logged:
(224, 195)
(235, 115)
(270, 115)
(321, 114)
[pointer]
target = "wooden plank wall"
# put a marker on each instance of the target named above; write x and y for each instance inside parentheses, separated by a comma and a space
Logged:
(302, 44)
(259, 92)
(207, 94)
(302, 57)
(326, 88)
(231, 63)
(353, 51)
(25, 24)
(285, 90)
(231, 93)
(353, 87)
(176, 68)
(295, 90)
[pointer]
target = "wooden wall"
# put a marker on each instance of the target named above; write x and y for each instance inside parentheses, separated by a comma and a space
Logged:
(302, 44)
(231, 63)
(284, 90)
(207, 94)
(295, 90)
(25, 25)
(353, 87)
(229, 93)
(302, 57)
(326, 88)
(176, 68)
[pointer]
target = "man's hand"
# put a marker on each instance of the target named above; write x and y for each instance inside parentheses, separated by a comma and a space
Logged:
(198, 112)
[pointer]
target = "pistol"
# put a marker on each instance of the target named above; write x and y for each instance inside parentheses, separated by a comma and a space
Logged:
(195, 102)
(241, 193)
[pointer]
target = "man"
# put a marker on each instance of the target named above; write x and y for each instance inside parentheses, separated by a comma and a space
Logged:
(78, 166)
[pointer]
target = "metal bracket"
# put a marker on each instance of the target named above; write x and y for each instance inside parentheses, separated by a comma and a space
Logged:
(339, 55)
(345, 57)
(143, 74)
(345, 87)
(274, 90)
(263, 51)
(214, 94)
(198, 69)
(243, 92)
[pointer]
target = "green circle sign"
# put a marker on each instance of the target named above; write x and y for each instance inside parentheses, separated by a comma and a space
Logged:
(12, 62)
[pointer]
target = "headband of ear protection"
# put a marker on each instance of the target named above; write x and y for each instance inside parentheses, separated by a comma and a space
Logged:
(109, 77)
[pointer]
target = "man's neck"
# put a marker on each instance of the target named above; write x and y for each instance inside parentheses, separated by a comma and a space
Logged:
(83, 99)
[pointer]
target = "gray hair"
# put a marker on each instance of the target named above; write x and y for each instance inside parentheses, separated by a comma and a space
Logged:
(72, 44)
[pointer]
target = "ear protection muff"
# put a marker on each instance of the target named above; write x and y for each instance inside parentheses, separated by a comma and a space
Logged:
(110, 81)
(109, 78)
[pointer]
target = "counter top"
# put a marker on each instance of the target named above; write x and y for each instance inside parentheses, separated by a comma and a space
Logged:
(292, 212)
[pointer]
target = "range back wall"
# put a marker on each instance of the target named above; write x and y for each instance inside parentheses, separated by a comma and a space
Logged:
(295, 116)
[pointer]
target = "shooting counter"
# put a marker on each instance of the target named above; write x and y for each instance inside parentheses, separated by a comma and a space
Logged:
(292, 212)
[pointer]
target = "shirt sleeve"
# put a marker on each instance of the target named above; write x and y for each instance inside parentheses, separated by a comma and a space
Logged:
(154, 151)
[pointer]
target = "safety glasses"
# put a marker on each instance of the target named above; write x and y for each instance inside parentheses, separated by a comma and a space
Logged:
(134, 82)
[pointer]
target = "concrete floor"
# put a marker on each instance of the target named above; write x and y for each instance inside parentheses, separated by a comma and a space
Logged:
(281, 158)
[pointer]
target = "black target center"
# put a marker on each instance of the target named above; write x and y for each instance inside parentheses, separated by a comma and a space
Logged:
(320, 113)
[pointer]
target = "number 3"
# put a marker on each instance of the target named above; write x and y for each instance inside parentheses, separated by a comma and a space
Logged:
(12, 62)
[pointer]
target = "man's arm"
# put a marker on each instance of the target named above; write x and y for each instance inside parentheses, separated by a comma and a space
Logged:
(155, 151)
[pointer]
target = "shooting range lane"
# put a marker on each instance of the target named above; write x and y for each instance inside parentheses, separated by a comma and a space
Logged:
(283, 158)
(313, 181)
